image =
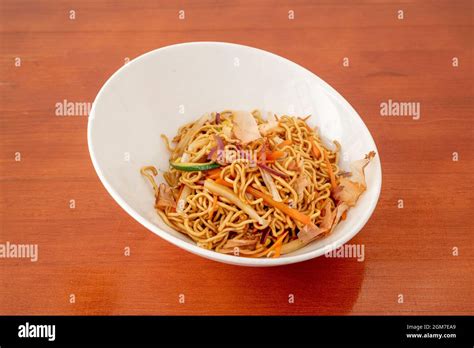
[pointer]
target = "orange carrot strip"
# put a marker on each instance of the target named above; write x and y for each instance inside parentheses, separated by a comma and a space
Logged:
(315, 149)
(272, 156)
(214, 176)
(278, 243)
(284, 143)
(295, 214)
(344, 215)
(214, 171)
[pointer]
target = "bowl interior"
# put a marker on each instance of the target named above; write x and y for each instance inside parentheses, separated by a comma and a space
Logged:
(166, 88)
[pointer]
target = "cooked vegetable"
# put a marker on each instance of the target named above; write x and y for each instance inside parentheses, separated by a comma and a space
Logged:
(341, 209)
(274, 155)
(309, 232)
(314, 149)
(293, 213)
(291, 246)
(227, 127)
(214, 173)
(194, 167)
(223, 191)
(188, 136)
(212, 155)
(263, 189)
(272, 171)
(221, 158)
(293, 165)
(277, 140)
(277, 242)
(300, 184)
(180, 191)
(245, 127)
(186, 190)
(344, 215)
(351, 188)
(264, 236)
(165, 197)
(270, 127)
(284, 143)
(328, 217)
(270, 184)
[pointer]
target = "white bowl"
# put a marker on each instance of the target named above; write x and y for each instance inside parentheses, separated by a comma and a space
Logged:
(165, 88)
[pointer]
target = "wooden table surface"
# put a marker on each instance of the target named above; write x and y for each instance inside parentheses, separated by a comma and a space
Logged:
(418, 259)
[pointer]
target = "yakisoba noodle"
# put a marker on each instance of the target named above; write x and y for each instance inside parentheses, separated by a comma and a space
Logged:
(242, 185)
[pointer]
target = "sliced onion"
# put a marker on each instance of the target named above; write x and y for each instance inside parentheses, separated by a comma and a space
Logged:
(310, 232)
(220, 143)
(245, 126)
(267, 178)
(331, 218)
(272, 171)
(211, 156)
(350, 188)
(291, 246)
(182, 199)
(264, 236)
(328, 218)
(340, 209)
